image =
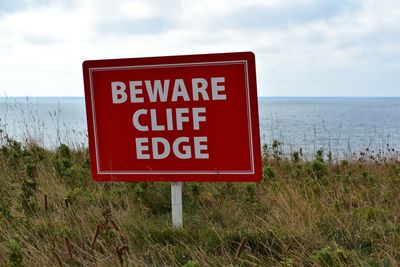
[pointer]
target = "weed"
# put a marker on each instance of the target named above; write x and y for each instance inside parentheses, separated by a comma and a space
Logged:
(276, 150)
(344, 163)
(5, 211)
(268, 172)
(15, 253)
(329, 256)
(195, 189)
(319, 156)
(192, 263)
(296, 157)
(265, 150)
(250, 192)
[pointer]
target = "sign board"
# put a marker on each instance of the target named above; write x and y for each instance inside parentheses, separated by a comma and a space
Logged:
(175, 118)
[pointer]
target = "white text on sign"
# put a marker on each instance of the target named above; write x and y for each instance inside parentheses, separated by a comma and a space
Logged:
(157, 147)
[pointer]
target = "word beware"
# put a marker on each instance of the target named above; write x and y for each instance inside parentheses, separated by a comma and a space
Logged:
(156, 91)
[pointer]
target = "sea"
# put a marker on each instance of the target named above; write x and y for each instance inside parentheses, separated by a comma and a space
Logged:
(345, 127)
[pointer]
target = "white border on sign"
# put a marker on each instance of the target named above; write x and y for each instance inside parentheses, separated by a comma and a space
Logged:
(149, 172)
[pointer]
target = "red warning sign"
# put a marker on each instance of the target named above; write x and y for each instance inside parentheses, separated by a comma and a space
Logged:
(177, 118)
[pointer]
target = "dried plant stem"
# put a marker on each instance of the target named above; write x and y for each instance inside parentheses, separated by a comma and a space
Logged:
(69, 248)
(119, 254)
(115, 226)
(46, 206)
(96, 234)
(120, 251)
(240, 248)
(66, 203)
(58, 259)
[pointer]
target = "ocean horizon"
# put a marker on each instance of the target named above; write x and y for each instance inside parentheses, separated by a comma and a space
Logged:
(345, 126)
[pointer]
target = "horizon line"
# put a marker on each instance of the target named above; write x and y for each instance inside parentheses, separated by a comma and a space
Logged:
(262, 96)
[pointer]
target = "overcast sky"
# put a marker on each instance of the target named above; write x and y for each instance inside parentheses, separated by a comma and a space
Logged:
(302, 47)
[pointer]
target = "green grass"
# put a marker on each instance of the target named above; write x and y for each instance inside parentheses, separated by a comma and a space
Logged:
(314, 213)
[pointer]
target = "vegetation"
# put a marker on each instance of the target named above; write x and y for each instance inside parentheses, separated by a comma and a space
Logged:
(317, 213)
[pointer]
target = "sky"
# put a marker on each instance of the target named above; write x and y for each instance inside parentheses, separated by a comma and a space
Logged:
(302, 47)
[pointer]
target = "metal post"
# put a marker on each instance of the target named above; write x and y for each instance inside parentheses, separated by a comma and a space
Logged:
(176, 205)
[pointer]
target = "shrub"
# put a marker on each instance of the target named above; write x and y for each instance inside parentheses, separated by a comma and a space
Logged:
(63, 151)
(28, 194)
(319, 169)
(319, 156)
(13, 152)
(295, 157)
(63, 167)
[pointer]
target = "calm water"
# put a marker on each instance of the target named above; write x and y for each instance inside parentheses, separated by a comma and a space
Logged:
(341, 125)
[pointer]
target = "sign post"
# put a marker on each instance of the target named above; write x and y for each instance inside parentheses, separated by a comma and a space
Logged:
(176, 205)
(176, 118)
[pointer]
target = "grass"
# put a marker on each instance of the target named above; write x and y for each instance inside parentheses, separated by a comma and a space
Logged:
(302, 213)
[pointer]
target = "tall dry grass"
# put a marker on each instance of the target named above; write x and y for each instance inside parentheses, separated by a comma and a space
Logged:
(302, 213)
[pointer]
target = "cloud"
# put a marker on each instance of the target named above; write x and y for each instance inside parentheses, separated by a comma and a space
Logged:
(8, 7)
(256, 17)
(39, 39)
(133, 26)
(303, 47)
